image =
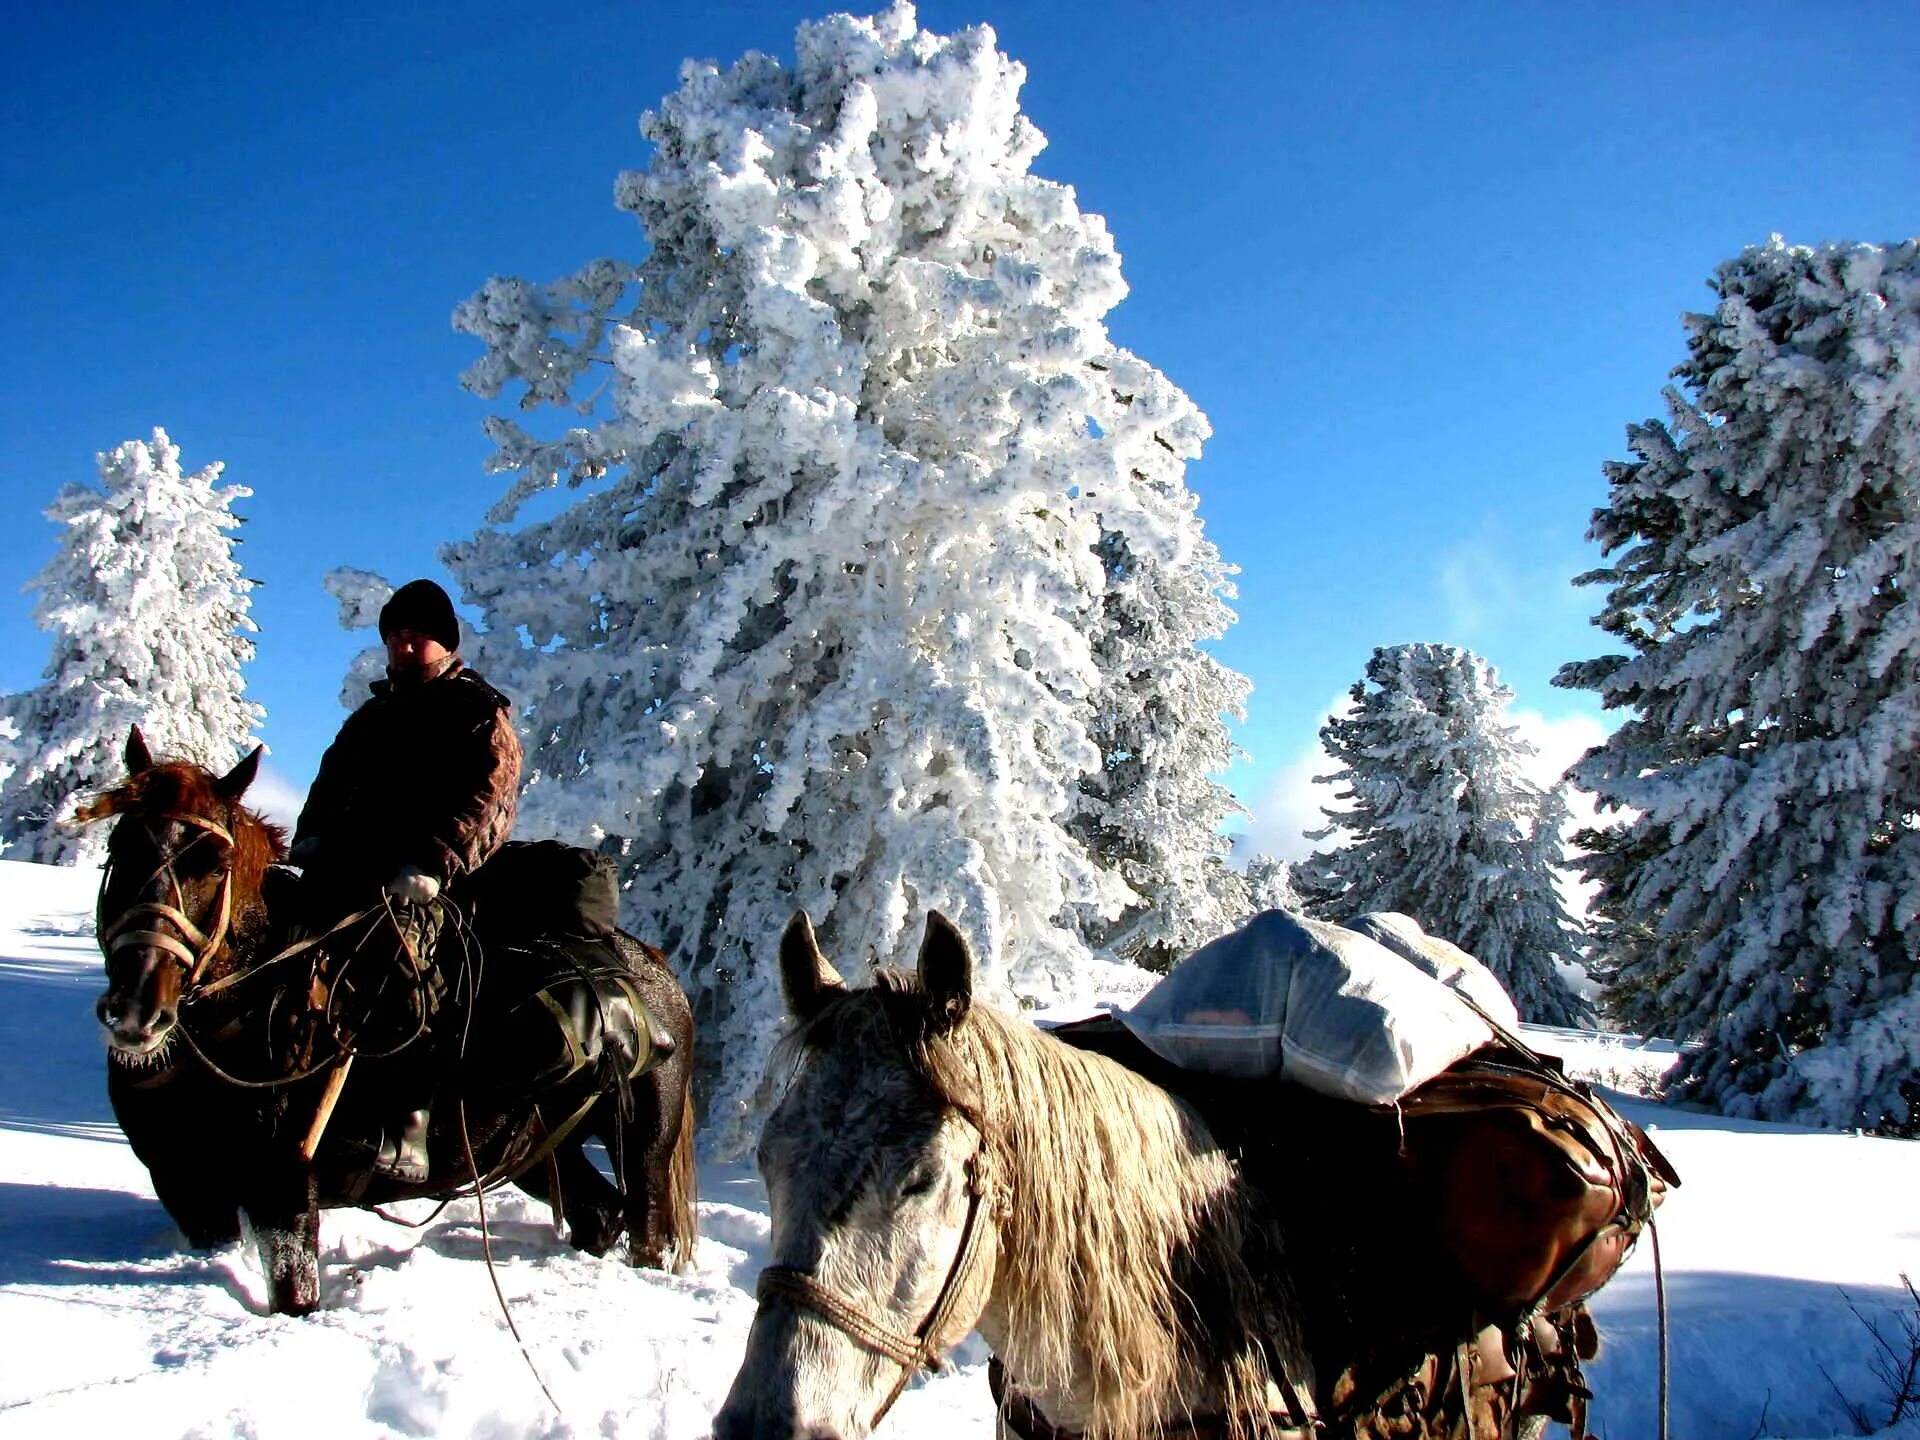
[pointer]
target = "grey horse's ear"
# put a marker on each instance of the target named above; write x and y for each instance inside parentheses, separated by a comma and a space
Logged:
(234, 783)
(138, 756)
(806, 978)
(946, 971)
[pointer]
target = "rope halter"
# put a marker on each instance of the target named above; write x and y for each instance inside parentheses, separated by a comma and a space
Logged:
(911, 1352)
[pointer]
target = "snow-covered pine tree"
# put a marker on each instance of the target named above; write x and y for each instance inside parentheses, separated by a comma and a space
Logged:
(1152, 812)
(1268, 885)
(827, 625)
(361, 595)
(1764, 896)
(148, 610)
(1440, 822)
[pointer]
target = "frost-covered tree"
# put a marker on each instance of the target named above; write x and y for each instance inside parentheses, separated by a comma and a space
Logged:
(856, 608)
(1438, 820)
(361, 595)
(148, 610)
(1764, 895)
(1152, 811)
(1268, 886)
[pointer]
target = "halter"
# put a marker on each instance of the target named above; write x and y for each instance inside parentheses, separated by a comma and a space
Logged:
(198, 947)
(912, 1353)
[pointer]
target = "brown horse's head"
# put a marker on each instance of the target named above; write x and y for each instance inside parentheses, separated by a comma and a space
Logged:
(185, 863)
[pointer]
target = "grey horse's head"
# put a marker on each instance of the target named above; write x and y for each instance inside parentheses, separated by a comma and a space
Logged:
(883, 1249)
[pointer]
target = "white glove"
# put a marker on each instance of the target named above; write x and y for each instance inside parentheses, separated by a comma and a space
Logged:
(413, 886)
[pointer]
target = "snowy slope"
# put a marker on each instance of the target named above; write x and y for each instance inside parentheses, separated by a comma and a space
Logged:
(110, 1327)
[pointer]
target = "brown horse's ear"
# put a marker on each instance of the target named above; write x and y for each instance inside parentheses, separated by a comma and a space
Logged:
(946, 971)
(232, 785)
(806, 978)
(137, 755)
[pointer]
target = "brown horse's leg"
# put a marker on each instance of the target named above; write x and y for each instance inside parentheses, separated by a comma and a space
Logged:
(208, 1218)
(592, 1205)
(286, 1223)
(188, 1143)
(660, 1176)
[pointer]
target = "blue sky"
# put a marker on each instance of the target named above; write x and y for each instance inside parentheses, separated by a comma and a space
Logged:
(1420, 265)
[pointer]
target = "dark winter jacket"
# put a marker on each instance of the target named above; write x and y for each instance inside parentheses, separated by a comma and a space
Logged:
(426, 773)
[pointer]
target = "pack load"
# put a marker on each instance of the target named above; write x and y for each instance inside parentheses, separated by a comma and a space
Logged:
(1465, 1183)
(1332, 1009)
(1533, 1183)
(1444, 961)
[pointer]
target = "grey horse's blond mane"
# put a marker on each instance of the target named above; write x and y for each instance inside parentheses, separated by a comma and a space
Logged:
(1098, 1292)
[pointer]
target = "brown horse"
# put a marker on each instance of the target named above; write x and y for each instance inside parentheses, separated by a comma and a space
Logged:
(223, 1037)
(935, 1167)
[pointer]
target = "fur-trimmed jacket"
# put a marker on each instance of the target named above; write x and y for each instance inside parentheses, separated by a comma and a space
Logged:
(426, 773)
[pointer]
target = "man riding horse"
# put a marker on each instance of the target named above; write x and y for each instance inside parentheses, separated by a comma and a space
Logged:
(417, 790)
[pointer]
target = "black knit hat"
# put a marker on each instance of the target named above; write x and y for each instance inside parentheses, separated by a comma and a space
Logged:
(423, 606)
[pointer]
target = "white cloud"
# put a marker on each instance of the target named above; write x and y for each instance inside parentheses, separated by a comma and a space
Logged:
(1559, 743)
(1292, 804)
(1484, 589)
(276, 797)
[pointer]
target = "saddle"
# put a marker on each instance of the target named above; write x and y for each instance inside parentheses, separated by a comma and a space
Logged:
(533, 984)
(569, 1005)
(545, 914)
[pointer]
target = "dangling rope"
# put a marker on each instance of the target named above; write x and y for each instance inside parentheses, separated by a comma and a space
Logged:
(486, 1250)
(1660, 1300)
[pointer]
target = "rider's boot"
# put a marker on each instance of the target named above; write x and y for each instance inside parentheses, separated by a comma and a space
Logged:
(403, 1156)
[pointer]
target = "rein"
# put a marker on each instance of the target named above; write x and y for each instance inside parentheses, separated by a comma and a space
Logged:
(344, 1052)
(912, 1353)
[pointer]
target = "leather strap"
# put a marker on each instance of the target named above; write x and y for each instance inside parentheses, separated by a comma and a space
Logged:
(205, 944)
(1028, 1421)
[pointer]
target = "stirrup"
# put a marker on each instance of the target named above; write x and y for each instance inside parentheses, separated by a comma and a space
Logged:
(403, 1157)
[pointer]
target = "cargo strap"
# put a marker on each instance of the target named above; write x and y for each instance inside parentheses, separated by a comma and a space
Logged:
(1293, 1416)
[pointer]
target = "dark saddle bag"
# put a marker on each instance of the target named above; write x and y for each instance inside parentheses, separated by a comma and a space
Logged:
(531, 889)
(1534, 1184)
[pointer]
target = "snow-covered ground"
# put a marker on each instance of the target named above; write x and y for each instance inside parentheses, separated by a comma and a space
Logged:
(107, 1326)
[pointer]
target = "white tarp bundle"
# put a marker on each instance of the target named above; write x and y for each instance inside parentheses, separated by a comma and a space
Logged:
(1442, 959)
(1361, 1016)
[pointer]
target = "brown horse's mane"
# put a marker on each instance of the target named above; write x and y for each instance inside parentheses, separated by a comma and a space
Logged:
(179, 787)
(1102, 1291)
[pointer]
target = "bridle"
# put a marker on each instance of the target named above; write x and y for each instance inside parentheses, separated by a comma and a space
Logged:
(911, 1352)
(193, 947)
